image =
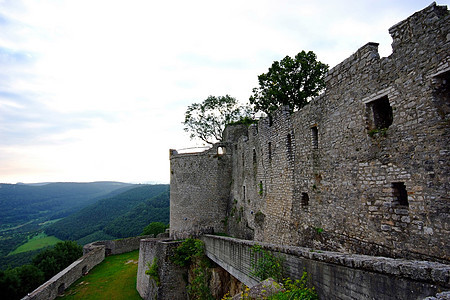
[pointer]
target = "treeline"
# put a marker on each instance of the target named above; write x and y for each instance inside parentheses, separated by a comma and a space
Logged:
(16, 283)
(123, 215)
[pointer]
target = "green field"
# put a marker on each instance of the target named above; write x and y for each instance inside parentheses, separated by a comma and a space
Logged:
(114, 278)
(37, 242)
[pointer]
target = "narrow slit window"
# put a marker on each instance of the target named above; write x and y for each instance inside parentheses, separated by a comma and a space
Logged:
(270, 121)
(254, 155)
(270, 150)
(243, 192)
(315, 137)
(289, 144)
(399, 193)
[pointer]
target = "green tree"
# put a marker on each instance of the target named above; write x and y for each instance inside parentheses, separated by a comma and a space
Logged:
(208, 119)
(30, 278)
(292, 82)
(10, 284)
(55, 259)
(154, 228)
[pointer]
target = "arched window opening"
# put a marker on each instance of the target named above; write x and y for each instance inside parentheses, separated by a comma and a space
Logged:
(221, 150)
(305, 200)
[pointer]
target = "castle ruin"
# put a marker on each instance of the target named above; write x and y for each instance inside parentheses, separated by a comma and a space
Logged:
(363, 168)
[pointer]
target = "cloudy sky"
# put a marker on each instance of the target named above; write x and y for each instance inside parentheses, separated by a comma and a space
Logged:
(97, 90)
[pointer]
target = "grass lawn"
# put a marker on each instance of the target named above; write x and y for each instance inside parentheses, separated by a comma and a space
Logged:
(37, 242)
(114, 278)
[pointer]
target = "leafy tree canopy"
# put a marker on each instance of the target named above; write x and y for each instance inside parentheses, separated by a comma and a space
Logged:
(208, 119)
(291, 81)
(53, 260)
(155, 228)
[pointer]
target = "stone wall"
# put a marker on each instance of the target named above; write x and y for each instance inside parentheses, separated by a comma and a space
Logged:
(93, 254)
(58, 283)
(113, 247)
(336, 275)
(195, 209)
(363, 168)
(172, 284)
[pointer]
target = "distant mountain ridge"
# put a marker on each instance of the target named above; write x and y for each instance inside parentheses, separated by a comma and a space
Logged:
(20, 203)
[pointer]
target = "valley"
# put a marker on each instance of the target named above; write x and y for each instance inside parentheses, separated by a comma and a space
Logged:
(34, 217)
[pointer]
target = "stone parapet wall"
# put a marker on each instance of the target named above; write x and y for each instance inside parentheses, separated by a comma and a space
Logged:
(93, 254)
(61, 281)
(337, 275)
(113, 247)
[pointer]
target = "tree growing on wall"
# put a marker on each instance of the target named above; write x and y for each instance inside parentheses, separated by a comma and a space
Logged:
(155, 228)
(291, 81)
(208, 119)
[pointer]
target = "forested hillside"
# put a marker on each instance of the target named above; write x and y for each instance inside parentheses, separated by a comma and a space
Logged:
(26, 210)
(123, 215)
(20, 203)
(133, 222)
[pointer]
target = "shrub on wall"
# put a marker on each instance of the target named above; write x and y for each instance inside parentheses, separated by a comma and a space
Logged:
(191, 253)
(153, 271)
(265, 265)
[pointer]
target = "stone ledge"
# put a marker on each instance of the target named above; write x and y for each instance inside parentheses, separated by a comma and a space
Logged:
(424, 271)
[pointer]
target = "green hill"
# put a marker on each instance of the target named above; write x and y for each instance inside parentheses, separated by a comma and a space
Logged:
(26, 210)
(133, 209)
(133, 222)
(21, 203)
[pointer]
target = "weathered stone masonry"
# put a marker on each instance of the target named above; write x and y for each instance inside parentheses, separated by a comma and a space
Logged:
(362, 169)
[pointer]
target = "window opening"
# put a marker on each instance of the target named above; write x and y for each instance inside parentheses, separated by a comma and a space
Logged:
(243, 192)
(270, 121)
(84, 270)
(61, 288)
(441, 93)
(221, 150)
(254, 155)
(305, 200)
(270, 150)
(289, 143)
(315, 137)
(400, 194)
(380, 112)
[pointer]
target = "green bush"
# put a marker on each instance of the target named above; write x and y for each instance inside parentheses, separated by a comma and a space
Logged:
(297, 289)
(191, 253)
(153, 271)
(186, 251)
(265, 265)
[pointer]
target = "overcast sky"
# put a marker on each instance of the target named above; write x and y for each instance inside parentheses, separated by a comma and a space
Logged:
(97, 90)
